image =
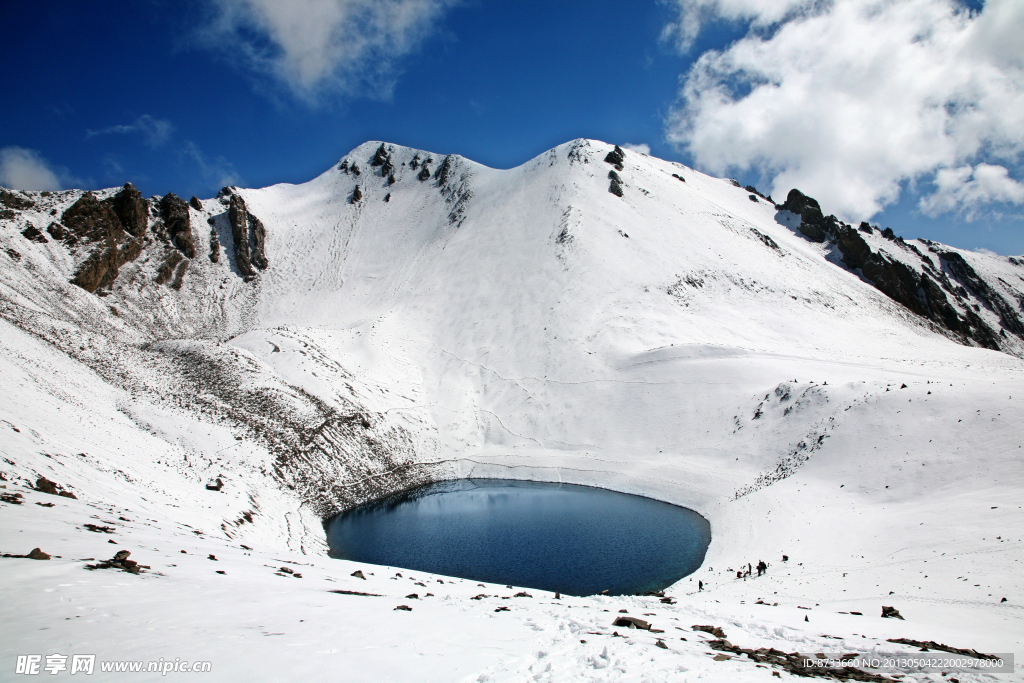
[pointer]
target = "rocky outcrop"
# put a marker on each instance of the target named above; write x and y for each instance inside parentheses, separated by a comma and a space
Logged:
(131, 208)
(195, 203)
(15, 200)
(444, 171)
(249, 236)
(90, 220)
(936, 292)
(616, 157)
(174, 212)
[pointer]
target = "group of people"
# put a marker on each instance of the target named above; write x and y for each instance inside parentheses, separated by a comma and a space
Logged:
(762, 567)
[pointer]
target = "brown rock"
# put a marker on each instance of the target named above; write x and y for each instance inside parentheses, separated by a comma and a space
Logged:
(38, 554)
(632, 622)
(195, 203)
(132, 210)
(174, 212)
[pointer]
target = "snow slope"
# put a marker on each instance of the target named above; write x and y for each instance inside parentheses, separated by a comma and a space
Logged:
(682, 341)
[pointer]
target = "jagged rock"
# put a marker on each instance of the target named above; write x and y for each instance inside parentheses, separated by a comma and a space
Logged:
(391, 179)
(56, 231)
(37, 554)
(612, 175)
(615, 187)
(387, 197)
(259, 242)
(343, 166)
(444, 171)
(177, 221)
(616, 157)
(678, 177)
(217, 485)
(357, 194)
(424, 174)
(239, 217)
(32, 233)
(355, 169)
(358, 574)
(380, 156)
(388, 170)
(121, 555)
(752, 198)
(91, 220)
(214, 243)
(195, 203)
(415, 163)
(917, 291)
(815, 226)
(132, 210)
(17, 201)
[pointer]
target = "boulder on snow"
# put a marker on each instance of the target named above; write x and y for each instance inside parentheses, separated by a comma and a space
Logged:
(38, 554)
(195, 203)
(616, 157)
(121, 555)
(358, 574)
(890, 613)
(615, 188)
(216, 485)
(357, 194)
(632, 622)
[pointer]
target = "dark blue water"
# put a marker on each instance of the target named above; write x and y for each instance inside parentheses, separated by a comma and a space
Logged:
(578, 540)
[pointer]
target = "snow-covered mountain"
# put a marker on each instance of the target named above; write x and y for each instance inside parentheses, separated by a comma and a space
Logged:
(246, 365)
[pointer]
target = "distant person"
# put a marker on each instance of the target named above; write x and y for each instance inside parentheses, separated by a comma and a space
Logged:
(741, 575)
(761, 567)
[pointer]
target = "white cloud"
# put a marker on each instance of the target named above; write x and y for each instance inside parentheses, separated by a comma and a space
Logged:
(319, 45)
(693, 14)
(983, 250)
(966, 188)
(643, 148)
(25, 169)
(848, 100)
(153, 130)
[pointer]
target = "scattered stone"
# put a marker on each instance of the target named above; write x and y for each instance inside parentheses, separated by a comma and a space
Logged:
(615, 187)
(45, 505)
(99, 528)
(212, 557)
(404, 608)
(522, 594)
(380, 157)
(661, 644)
(344, 592)
(357, 194)
(217, 485)
(358, 574)
(501, 609)
(793, 663)
(716, 631)
(120, 561)
(37, 554)
(221, 571)
(424, 174)
(13, 254)
(13, 498)
(678, 177)
(195, 203)
(890, 613)
(121, 555)
(286, 570)
(412, 596)
(932, 645)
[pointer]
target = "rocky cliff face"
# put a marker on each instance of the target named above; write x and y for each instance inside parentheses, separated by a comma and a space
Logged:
(933, 281)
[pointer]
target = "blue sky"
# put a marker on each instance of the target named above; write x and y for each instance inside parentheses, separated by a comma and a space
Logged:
(188, 96)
